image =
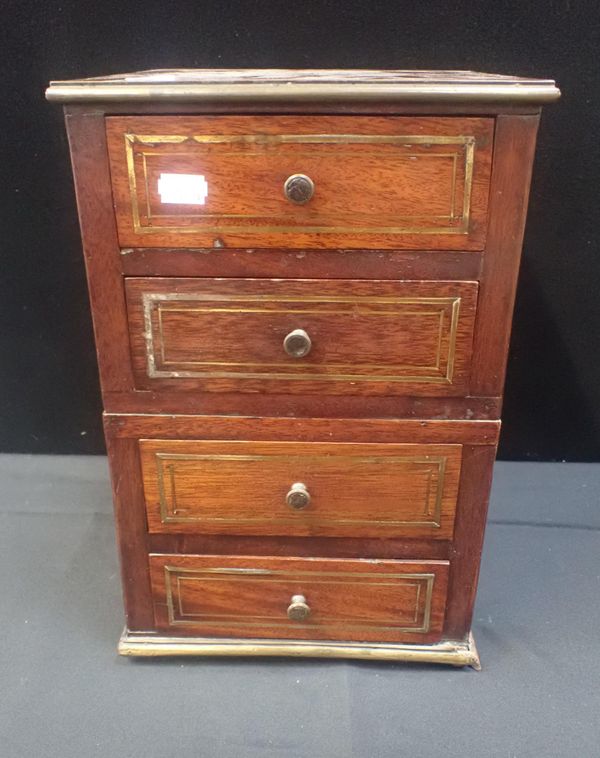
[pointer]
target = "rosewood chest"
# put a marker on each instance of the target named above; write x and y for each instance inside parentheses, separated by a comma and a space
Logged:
(302, 285)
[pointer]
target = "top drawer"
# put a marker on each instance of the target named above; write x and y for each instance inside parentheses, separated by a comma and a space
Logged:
(301, 181)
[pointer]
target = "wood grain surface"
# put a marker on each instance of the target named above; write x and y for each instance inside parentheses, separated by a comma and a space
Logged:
(411, 431)
(302, 264)
(307, 406)
(87, 142)
(355, 490)
(393, 601)
(379, 182)
(386, 338)
(514, 151)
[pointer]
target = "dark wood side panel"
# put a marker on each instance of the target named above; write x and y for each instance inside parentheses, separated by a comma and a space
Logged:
(465, 551)
(382, 600)
(130, 518)
(87, 140)
(514, 147)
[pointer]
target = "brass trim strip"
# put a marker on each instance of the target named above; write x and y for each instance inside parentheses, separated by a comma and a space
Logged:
(345, 578)
(169, 513)
(249, 229)
(341, 138)
(448, 652)
(247, 571)
(468, 143)
(329, 93)
(452, 340)
(451, 216)
(265, 297)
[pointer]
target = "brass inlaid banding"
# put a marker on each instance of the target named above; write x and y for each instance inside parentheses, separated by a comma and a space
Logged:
(159, 366)
(466, 145)
(419, 623)
(435, 468)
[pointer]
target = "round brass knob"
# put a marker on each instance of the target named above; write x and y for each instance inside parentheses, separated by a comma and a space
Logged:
(298, 497)
(297, 343)
(298, 609)
(299, 188)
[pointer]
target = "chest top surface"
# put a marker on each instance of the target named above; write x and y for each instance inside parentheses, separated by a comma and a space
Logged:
(311, 85)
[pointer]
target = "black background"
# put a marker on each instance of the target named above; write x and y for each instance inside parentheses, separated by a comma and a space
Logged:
(49, 397)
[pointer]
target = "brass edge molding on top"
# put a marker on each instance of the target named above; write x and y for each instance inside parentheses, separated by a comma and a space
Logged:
(449, 653)
(467, 141)
(326, 93)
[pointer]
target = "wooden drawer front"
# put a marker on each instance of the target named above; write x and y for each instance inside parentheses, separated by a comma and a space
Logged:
(366, 337)
(378, 182)
(385, 600)
(355, 490)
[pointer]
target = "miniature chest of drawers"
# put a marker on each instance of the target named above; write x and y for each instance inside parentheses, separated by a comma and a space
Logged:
(302, 285)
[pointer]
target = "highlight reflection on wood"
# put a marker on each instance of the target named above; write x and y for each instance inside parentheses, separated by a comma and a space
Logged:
(379, 182)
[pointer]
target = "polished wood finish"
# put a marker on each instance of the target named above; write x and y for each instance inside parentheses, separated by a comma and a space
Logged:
(387, 601)
(368, 490)
(379, 182)
(325, 547)
(127, 431)
(468, 538)
(124, 433)
(367, 337)
(87, 141)
(418, 431)
(316, 406)
(515, 146)
(395, 454)
(130, 520)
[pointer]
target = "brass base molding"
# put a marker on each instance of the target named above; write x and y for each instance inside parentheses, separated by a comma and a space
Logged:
(451, 653)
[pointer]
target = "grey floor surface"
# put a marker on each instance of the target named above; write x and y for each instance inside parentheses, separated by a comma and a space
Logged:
(64, 691)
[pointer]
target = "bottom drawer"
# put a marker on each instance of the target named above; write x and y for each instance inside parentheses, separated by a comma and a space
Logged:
(299, 598)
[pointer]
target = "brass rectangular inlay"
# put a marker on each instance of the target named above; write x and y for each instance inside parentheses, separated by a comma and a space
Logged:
(178, 616)
(458, 222)
(434, 467)
(156, 305)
